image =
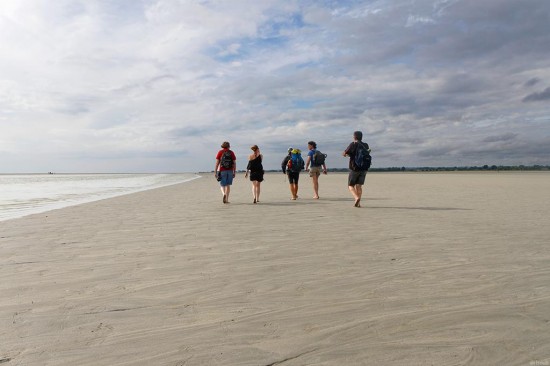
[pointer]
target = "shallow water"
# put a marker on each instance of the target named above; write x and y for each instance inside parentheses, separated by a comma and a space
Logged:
(25, 194)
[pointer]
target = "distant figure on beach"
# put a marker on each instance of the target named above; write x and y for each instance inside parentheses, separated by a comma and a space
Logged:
(359, 163)
(292, 165)
(226, 166)
(256, 170)
(315, 166)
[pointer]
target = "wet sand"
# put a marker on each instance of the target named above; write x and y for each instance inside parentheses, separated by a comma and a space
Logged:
(434, 269)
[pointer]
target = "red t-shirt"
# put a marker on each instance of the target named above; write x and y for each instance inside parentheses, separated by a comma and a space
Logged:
(219, 156)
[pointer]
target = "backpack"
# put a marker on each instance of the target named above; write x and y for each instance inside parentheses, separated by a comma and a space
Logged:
(362, 159)
(295, 163)
(226, 160)
(319, 158)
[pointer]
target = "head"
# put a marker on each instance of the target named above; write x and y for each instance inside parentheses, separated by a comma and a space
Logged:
(358, 135)
(296, 151)
(225, 145)
(290, 150)
(254, 148)
(312, 145)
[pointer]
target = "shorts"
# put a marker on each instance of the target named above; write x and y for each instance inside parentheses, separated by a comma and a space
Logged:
(227, 178)
(315, 171)
(293, 177)
(257, 176)
(355, 178)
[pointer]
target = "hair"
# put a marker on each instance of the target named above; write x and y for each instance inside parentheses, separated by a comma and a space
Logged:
(254, 147)
(358, 135)
(225, 145)
(312, 143)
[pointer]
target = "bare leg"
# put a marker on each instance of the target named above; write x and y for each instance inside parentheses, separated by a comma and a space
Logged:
(222, 188)
(258, 191)
(359, 190)
(356, 192)
(315, 186)
(294, 191)
(227, 190)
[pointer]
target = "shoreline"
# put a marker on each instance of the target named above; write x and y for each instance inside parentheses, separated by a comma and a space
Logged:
(45, 204)
(441, 269)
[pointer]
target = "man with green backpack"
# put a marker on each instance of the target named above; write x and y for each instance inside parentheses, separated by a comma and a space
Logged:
(292, 165)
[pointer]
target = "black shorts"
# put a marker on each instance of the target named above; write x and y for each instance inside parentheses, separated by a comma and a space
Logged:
(293, 177)
(257, 176)
(355, 178)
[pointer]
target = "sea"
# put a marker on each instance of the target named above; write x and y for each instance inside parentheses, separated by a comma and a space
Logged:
(26, 194)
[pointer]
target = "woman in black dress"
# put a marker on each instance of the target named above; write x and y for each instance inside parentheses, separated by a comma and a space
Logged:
(256, 171)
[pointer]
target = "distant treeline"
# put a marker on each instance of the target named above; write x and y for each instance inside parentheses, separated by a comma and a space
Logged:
(451, 169)
(463, 168)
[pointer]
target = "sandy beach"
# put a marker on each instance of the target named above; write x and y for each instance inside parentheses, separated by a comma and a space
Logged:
(434, 269)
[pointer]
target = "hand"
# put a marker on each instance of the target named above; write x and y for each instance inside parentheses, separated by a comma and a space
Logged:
(325, 171)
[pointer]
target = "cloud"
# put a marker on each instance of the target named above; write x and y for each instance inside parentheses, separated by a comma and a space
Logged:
(499, 138)
(157, 85)
(537, 97)
(532, 82)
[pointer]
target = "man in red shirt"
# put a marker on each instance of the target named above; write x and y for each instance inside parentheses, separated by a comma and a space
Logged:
(226, 166)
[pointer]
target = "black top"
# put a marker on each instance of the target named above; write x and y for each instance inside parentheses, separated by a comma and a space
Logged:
(255, 165)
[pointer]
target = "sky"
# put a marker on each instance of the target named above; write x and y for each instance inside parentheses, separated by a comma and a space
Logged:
(155, 86)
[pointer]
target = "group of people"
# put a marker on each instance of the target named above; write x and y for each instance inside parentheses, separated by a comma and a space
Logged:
(357, 151)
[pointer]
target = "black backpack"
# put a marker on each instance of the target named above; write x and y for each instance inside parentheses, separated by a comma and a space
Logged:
(227, 160)
(362, 159)
(319, 158)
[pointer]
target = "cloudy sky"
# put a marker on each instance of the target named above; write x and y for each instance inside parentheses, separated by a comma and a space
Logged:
(158, 85)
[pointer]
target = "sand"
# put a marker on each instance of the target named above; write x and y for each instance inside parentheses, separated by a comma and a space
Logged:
(434, 269)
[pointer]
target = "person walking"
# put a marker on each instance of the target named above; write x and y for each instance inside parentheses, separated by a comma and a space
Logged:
(226, 166)
(256, 170)
(292, 164)
(314, 167)
(359, 163)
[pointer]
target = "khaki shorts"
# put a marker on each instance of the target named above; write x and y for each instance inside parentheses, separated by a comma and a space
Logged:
(314, 171)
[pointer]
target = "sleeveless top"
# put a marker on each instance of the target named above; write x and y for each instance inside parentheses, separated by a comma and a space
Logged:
(255, 165)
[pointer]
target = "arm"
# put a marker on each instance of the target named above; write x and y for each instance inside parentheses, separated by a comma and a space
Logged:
(234, 163)
(347, 151)
(308, 161)
(216, 168)
(248, 165)
(284, 163)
